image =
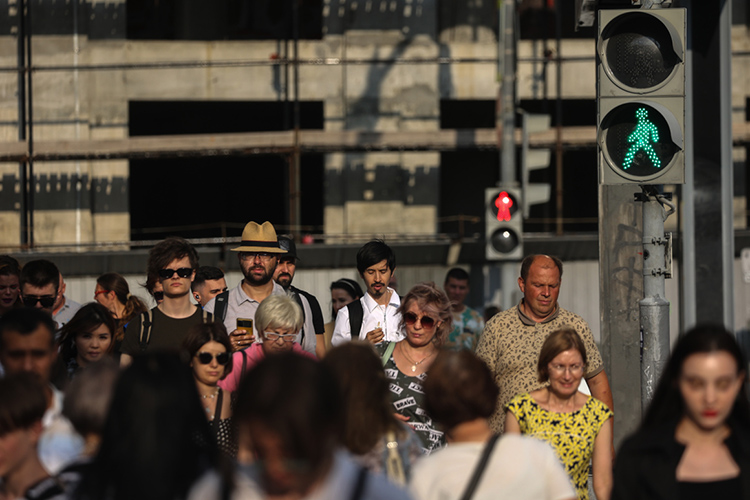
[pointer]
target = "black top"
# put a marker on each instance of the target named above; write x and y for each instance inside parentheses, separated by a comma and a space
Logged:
(646, 464)
(727, 489)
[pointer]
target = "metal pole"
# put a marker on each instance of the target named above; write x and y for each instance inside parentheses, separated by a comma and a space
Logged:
(558, 121)
(654, 307)
(508, 83)
(295, 212)
(31, 182)
(22, 172)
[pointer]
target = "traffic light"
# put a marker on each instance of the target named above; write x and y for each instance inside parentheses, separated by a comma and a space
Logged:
(641, 96)
(503, 224)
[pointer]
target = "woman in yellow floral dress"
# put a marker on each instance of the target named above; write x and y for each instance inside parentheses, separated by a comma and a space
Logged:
(576, 425)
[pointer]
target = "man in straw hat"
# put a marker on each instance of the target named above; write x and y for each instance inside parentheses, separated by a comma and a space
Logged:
(258, 257)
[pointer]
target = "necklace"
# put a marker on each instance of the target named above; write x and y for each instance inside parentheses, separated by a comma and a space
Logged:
(212, 396)
(414, 364)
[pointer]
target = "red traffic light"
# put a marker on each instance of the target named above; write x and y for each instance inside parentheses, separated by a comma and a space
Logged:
(505, 205)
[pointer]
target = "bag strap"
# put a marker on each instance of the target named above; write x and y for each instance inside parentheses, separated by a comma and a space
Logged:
(244, 362)
(220, 306)
(147, 320)
(359, 486)
(394, 466)
(298, 300)
(479, 469)
(388, 352)
(217, 413)
(356, 315)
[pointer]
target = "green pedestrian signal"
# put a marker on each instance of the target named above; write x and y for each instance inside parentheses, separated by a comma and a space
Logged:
(641, 96)
(643, 136)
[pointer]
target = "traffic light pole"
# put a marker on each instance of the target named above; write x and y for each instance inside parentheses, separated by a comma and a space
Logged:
(654, 307)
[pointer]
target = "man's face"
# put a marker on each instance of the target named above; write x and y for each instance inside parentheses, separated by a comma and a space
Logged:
(284, 273)
(209, 290)
(46, 294)
(34, 352)
(457, 290)
(376, 278)
(541, 288)
(258, 268)
(176, 286)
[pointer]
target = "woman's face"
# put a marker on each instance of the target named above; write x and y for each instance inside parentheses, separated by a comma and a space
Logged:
(565, 373)
(421, 326)
(211, 372)
(340, 298)
(93, 346)
(709, 384)
(280, 344)
(9, 290)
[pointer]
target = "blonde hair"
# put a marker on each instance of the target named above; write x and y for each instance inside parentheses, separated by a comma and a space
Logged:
(278, 311)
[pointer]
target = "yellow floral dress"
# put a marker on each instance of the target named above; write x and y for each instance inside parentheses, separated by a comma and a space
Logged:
(571, 435)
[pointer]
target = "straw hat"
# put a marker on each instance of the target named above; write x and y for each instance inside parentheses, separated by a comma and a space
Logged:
(259, 238)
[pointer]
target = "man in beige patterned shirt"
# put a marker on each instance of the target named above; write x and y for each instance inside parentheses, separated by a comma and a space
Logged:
(512, 339)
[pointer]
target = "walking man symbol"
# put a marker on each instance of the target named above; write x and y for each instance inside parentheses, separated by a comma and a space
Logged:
(641, 138)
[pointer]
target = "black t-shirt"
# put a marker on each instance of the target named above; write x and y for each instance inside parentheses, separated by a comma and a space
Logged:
(167, 333)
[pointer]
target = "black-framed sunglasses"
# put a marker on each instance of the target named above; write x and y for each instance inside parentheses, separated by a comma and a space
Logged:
(31, 300)
(183, 272)
(205, 358)
(410, 318)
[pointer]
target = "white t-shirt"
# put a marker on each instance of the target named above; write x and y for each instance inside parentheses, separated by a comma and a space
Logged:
(521, 468)
(338, 485)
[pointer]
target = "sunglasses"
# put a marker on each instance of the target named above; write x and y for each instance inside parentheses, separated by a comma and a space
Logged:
(205, 358)
(100, 291)
(45, 300)
(183, 272)
(410, 318)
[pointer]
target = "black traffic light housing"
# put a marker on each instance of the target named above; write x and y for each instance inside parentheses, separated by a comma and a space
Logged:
(503, 223)
(641, 96)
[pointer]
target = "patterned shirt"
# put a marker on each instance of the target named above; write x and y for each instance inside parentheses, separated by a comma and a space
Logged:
(571, 435)
(467, 326)
(407, 397)
(510, 345)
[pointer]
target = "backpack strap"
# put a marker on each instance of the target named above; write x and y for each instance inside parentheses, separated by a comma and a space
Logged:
(244, 362)
(207, 316)
(147, 321)
(356, 315)
(388, 352)
(220, 306)
(298, 300)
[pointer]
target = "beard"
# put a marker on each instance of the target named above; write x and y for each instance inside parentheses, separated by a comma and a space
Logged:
(256, 280)
(285, 280)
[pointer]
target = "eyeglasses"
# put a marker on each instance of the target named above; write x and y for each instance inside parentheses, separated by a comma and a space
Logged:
(183, 272)
(96, 293)
(264, 256)
(574, 369)
(427, 322)
(273, 336)
(205, 358)
(45, 300)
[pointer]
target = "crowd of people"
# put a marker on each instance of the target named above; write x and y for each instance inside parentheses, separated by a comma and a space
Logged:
(246, 393)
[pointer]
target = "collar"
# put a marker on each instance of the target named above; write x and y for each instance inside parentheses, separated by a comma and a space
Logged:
(530, 322)
(369, 303)
(243, 297)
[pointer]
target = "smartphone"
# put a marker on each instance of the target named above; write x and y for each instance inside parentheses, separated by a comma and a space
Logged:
(245, 324)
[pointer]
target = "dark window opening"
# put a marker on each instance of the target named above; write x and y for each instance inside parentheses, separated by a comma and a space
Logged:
(194, 197)
(223, 19)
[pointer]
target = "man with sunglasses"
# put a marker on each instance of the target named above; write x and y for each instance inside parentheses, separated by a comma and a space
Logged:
(258, 257)
(164, 327)
(40, 281)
